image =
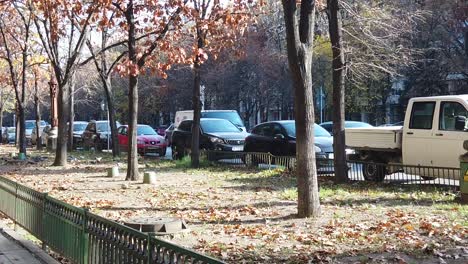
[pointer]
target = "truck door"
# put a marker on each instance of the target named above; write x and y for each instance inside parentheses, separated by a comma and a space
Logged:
(417, 134)
(448, 138)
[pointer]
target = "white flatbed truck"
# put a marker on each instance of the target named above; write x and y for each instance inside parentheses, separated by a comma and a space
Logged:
(432, 136)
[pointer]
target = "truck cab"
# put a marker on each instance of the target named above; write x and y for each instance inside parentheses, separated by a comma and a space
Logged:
(432, 136)
(434, 131)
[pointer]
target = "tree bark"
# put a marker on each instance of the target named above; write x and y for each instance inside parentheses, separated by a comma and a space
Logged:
(63, 114)
(195, 155)
(132, 158)
(71, 104)
(339, 145)
(22, 130)
(299, 37)
(38, 123)
(1, 125)
(106, 80)
(37, 110)
(110, 107)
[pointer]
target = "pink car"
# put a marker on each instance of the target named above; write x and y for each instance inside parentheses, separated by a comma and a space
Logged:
(148, 141)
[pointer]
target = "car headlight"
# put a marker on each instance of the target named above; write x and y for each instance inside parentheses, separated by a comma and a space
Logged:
(216, 140)
(140, 142)
(317, 149)
(350, 151)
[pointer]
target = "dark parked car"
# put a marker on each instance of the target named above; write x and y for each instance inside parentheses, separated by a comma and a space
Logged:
(97, 135)
(161, 130)
(168, 134)
(148, 141)
(215, 134)
(78, 129)
(348, 124)
(279, 139)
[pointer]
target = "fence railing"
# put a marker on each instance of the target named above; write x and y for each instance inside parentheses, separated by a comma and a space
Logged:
(357, 170)
(84, 237)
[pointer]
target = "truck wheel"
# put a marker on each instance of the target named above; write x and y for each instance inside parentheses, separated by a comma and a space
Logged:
(177, 152)
(373, 171)
(250, 160)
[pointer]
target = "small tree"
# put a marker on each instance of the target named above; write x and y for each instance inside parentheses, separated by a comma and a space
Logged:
(216, 27)
(63, 28)
(140, 54)
(299, 20)
(15, 30)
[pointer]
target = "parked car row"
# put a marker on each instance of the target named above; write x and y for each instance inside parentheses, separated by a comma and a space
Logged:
(275, 137)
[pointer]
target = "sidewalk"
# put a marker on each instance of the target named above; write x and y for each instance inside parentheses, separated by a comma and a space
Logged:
(15, 249)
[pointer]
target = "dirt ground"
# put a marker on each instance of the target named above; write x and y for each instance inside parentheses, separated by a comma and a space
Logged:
(248, 216)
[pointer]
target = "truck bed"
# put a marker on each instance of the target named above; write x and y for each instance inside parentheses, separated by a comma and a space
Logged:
(381, 138)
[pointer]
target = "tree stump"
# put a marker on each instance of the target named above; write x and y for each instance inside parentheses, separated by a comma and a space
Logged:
(113, 172)
(149, 177)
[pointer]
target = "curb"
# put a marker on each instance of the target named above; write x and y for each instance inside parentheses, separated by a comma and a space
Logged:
(34, 249)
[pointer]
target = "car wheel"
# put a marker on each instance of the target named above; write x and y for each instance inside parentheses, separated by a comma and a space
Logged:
(373, 171)
(177, 152)
(98, 145)
(250, 160)
(162, 152)
(85, 146)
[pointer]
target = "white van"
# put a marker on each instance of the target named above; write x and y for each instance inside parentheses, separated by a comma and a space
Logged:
(230, 115)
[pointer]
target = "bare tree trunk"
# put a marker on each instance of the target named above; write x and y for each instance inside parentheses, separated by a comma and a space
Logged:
(339, 144)
(38, 123)
(107, 82)
(1, 124)
(37, 110)
(17, 126)
(299, 37)
(132, 161)
(71, 102)
(195, 155)
(110, 107)
(22, 130)
(63, 109)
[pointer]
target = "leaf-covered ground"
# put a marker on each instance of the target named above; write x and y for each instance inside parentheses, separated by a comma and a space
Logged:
(248, 216)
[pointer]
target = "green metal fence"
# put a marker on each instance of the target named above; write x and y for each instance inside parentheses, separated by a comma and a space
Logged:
(84, 237)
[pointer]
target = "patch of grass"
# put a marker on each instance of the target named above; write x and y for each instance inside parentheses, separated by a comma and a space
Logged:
(289, 194)
(186, 163)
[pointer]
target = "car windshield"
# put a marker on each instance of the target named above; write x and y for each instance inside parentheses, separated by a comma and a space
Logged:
(104, 126)
(231, 116)
(318, 130)
(30, 125)
(217, 126)
(79, 127)
(356, 124)
(145, 130)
